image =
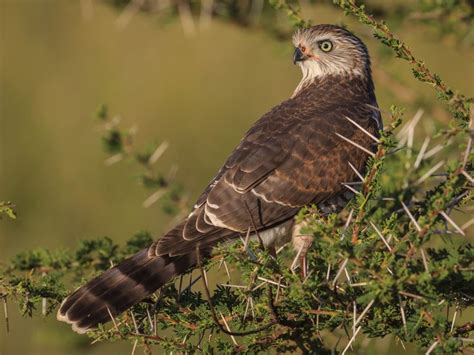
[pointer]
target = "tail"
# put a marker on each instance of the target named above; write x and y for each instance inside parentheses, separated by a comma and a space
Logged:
(121, 287)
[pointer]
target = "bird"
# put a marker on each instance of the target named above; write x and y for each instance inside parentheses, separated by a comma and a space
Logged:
(302, 152)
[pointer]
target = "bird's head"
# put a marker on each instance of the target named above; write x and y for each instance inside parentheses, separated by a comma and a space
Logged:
(330, 50)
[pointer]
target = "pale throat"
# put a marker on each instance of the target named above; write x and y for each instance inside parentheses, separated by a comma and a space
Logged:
(309, 73)
(312, 71)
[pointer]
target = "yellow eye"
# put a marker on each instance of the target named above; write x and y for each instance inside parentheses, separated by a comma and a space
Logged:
(325, 46)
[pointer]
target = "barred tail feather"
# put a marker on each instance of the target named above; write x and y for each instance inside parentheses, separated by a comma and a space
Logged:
(121, 287)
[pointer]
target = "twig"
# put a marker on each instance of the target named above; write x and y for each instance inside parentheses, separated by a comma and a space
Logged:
(213, 312)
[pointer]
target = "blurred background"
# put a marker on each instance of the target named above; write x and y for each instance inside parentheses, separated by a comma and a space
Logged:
(174, 75)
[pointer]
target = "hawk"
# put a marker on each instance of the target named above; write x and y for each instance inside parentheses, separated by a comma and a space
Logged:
(295, 155)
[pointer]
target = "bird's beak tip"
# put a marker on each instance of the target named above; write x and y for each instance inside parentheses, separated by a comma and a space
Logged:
(298, 56)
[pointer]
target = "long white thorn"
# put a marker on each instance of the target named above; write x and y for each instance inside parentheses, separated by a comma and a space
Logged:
(450, 221)
(351, 341)
(381, 236)
(467, 224)
(354, 317)
(432, 347)
(356, 171)
(364, 312)
(153, 198)
(467, 152)
(339, 272)
(375, 139)
(134, 346)
(346, 225)
(425, 260)
(246, 241)
(402, 311)
(351, 189)
(252, 308)
(186, 18)
(228, 329)
(235, 286)
(469, 177)
(410, 125)
(348, 277)
(429, 172)
(433, 151)
(454, 320)
(159, 151)
(356, 145)
(271, 282)
(113, 319)
(246, 308)
(295, 260)
(227, 271)
(422, 151)
(417, 226)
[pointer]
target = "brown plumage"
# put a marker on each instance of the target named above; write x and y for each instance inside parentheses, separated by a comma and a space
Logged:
(290, 158)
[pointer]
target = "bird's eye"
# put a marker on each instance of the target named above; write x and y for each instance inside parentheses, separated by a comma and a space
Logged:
(325, 46)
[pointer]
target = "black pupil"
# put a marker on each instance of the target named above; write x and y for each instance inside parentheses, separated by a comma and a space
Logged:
(326, 46)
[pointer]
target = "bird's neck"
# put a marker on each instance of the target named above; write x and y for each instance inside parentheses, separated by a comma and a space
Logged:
(326, 85)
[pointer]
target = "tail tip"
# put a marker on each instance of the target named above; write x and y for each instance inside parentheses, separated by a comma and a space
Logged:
(63, 317)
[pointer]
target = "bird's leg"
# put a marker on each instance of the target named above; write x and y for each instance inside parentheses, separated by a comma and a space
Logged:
(301, 244)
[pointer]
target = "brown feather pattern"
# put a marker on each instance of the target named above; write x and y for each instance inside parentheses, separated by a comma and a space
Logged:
(290, 158)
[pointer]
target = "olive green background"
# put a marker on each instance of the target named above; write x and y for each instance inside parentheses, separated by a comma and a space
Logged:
(199, 92)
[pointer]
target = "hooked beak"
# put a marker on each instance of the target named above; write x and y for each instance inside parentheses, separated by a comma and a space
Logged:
(298, 56)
